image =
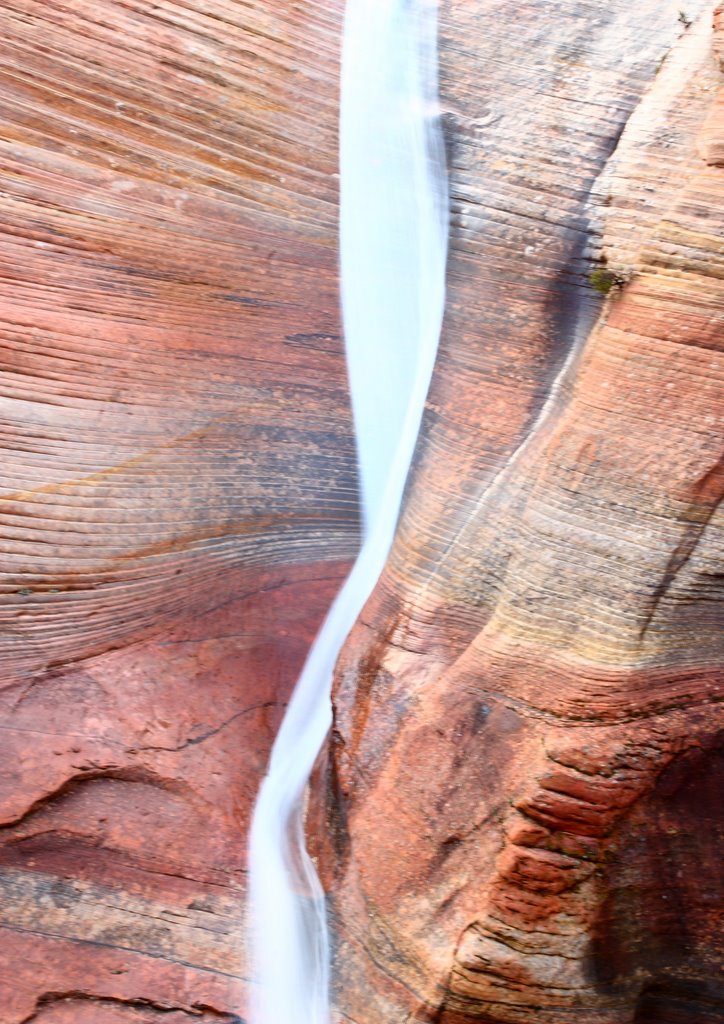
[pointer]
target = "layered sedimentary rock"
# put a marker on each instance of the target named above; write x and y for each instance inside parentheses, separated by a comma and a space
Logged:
(178, 499)
(522, 785)
(517, 817)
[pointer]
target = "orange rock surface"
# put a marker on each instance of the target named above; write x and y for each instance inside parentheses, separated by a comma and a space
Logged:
(178, 492)
(517, 815)
(522, 788)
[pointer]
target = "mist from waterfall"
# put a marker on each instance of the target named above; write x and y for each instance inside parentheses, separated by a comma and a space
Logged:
(393, 243)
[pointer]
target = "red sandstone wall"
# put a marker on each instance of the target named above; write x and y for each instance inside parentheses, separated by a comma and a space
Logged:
(178, 496)
(521, 793)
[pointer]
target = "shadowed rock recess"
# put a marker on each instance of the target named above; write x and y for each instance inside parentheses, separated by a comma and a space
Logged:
(517, 817)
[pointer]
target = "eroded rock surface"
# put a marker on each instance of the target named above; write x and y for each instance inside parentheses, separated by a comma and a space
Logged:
(178, 494)
(519, 806)
(520, 797)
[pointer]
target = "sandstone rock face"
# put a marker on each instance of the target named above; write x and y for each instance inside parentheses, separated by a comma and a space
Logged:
(178, 498)
(517, 816)
(520, 797)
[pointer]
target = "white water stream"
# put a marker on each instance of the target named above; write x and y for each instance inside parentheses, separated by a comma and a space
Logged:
(393, 242)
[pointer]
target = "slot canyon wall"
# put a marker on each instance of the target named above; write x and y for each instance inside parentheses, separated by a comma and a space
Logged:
(179, 490)
(517, 815)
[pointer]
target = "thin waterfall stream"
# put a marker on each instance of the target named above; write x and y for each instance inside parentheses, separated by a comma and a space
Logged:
(393, 246)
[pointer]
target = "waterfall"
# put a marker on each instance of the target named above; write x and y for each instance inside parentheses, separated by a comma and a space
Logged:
(393, 243)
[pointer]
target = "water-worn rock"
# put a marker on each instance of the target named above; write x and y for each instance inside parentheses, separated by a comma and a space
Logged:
(178, 499)
(520, 792)
(519, 805)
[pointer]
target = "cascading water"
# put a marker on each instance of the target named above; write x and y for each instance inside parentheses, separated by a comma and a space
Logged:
(393, 241)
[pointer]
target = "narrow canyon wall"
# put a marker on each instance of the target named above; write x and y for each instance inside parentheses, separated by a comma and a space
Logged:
(521, 791)
(178, 500)
(517, 813)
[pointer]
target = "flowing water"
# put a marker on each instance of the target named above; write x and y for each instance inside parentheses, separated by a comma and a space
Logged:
(393, 240)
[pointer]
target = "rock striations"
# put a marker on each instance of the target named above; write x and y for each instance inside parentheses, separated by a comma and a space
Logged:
(178, 496)
(520, 792)
(517, 815)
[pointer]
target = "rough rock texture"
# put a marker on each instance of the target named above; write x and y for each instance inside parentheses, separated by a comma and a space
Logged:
(178, 496)
(521, 788)
(522, 784)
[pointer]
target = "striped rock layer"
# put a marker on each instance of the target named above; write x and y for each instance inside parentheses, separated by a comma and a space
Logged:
(521, 788)
(517, 816)
(177, 484)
